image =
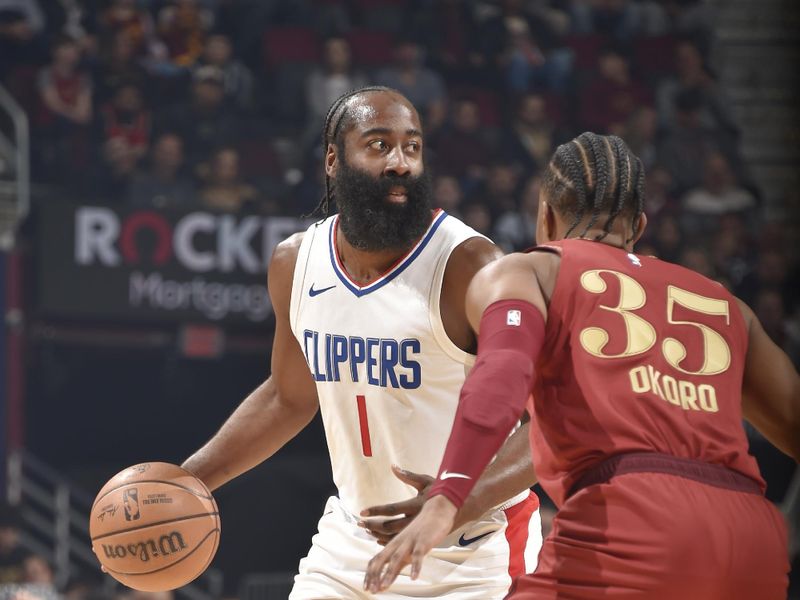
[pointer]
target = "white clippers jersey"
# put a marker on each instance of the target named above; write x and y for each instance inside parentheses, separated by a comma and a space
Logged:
(387, 375)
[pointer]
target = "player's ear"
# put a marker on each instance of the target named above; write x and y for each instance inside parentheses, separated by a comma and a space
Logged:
(331, 160)
(639, 227)
(549, 221)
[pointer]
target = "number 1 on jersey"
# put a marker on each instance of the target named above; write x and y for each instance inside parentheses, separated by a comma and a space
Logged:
(363, 422)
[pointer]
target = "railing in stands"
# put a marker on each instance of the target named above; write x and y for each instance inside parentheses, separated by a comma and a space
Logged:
(55, 525)
(266, 586)
(19, 147)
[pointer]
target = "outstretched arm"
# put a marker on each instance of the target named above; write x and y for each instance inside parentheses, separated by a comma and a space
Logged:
(275, 411)
(770, 389)
(509, 474)
(506, 306)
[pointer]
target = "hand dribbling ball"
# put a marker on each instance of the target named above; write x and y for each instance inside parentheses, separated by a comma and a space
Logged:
(154, 527)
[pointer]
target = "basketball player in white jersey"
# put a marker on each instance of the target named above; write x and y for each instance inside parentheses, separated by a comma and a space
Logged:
(371, 330)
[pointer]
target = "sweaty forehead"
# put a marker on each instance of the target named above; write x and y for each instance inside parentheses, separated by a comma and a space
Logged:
(382, 110)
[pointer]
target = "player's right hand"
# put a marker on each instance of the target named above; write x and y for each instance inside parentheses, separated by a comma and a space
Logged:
(102, 567)
(429, 528)
(386, 521)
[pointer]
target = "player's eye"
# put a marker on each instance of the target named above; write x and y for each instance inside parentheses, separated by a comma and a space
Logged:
(413, 146)
(378, 145)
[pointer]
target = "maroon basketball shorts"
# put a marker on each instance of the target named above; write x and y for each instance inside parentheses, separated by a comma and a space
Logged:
(661, 536)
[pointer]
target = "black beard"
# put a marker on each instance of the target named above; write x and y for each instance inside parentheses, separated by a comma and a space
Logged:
(371, 222)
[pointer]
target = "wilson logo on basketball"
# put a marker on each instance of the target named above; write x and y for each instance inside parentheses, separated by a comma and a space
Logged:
(164, 546)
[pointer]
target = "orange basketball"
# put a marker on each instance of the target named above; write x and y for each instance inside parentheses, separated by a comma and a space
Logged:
(154, 527)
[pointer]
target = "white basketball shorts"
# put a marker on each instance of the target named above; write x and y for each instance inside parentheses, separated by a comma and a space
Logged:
(478, 563)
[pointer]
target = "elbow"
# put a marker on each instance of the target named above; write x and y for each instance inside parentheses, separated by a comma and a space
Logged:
(794, 443)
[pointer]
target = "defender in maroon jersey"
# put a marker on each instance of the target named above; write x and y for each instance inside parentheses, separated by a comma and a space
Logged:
(637, 374)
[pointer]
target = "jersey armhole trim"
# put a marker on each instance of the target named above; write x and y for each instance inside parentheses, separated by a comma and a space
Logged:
(299, 275)
(437, 325)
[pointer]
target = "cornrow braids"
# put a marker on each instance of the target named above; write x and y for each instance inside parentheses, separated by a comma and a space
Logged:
(603, 174)
(331, 131)
(576, 175)
(638, 196)
(622, 176)
(598, 174)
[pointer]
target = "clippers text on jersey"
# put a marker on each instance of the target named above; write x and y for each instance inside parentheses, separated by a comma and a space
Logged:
(386, 362)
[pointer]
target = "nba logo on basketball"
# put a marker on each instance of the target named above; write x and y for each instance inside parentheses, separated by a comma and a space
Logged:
(130, 500)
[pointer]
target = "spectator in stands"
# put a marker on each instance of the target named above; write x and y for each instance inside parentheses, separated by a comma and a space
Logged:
(731, 250)
(326, 83)
(770, 309)
(203, 123)
(37, 571)
(525, 47)
(12, 554)
(607, 103)
(698, 260)
(127, 117)
(686, 146)
(477, 216)
(447, 194)
(640, 133)
(65, 93)
(659, 197)
(500, 188)
(237, 77)
(692, 19)
(423, 87)
(118, 64)
(165, 184)
(515, 230)
(533, 136)
(692, 73)
(667, 238)
(65, 89)
(718, 195)
(461, 148)
(224, 189)
(618, 19)
(125, 16)
(86, 585)
(22, 24)
(182, 27)
(449, 28)
(771, 272)
(114, 173)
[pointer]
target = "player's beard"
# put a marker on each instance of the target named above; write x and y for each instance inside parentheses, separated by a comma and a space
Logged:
(370, 221)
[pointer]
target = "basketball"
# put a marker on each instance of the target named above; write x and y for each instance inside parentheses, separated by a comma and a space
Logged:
(154, 527)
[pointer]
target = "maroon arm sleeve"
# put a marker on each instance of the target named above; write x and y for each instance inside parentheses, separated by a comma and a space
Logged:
(493, 396)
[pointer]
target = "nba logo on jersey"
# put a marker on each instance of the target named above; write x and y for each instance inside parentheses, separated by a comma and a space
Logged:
(634, 259)
(514, 317)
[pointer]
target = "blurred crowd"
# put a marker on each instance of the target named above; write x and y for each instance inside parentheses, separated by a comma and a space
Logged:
(219, 104)
(26, 575)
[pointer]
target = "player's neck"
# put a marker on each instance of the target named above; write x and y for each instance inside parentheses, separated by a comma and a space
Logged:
(364, 266)
(615, 239)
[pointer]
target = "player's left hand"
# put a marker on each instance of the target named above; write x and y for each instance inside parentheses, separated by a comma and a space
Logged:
(383, 528)
(431, 526)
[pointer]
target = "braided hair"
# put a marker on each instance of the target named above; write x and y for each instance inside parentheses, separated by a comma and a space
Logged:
(337, 122)
(595, 175)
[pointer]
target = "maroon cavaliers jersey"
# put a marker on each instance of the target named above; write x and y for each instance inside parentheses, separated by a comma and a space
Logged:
(640, 355)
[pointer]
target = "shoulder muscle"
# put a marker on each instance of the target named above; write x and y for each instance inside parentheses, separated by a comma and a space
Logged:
(281, 271)
(513, 277)
(465, 261)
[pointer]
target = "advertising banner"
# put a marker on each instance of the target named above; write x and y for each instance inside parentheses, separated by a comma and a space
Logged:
(145, 265)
